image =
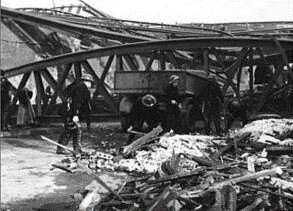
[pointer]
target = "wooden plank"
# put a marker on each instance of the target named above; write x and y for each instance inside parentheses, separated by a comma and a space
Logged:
(143, 140)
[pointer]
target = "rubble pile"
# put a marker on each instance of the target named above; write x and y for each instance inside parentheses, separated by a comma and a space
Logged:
(150, 160)
(269, 131)
(196, 172)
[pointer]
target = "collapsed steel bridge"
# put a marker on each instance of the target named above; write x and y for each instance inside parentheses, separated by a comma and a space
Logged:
(222, 49)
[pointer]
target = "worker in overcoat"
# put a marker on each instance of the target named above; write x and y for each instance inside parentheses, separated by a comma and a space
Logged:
(144, 110)
(6, 97)
(212, 103)
(25, 114)
(173, 106)
(237, 110)
(78, 98)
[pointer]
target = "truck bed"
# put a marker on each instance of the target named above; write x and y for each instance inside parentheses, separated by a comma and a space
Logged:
(154, 82)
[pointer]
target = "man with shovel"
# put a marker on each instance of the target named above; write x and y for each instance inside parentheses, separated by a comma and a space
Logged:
(78, 97)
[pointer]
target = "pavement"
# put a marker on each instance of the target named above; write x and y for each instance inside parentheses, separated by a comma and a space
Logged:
(31, 131)
(45, 129)
(28, 180)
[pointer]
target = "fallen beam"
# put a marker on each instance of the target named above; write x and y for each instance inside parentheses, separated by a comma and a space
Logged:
(142, 141)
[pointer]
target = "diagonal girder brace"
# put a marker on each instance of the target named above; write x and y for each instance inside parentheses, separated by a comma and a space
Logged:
(231, 70)
(52, 82)
(107, 68)
(101, 87)
(59, 87)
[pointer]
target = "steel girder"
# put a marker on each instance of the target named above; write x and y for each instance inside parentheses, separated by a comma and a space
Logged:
(54, 24)
(163, 51)
(174, 51)
(138, 48)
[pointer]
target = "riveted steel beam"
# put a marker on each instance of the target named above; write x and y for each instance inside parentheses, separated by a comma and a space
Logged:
(47, 22)
(137, 48)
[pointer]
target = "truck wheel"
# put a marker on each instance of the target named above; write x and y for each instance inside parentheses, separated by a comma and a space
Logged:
(124, 122)
(189, 119)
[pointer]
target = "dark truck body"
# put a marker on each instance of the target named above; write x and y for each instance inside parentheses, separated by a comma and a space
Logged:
(131, 85)
(154, 82)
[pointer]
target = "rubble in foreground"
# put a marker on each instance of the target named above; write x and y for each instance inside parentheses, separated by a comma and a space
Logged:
(250, 169)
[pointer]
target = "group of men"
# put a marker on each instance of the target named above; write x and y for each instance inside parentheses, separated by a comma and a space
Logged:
(78, 104)
(209, 105)
(210, 101)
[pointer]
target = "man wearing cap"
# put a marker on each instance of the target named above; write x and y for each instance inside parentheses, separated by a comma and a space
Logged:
(78, 101)
(143, 110)
(173, 113)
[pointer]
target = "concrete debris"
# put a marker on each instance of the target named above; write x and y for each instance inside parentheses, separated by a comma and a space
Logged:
(250, 169)
(268, 131)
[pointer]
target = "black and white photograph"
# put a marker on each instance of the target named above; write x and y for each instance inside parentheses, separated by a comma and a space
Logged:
(134, 105)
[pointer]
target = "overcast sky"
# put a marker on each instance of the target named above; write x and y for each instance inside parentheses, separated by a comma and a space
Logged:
(180, 11)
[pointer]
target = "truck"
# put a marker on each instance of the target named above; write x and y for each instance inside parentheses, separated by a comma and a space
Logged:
(133, 85)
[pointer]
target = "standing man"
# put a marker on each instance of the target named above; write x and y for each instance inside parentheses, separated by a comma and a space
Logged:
(48, 96)
(78, 97)
(6, 97)
(25, 115)
(213, 100)
(173, 112)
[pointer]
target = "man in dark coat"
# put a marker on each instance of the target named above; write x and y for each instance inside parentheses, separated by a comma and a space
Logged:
(237, 110)
(213, 99)
(25, 114)
(143, 110)
(78, 97)
(173, 112)
(6, 93)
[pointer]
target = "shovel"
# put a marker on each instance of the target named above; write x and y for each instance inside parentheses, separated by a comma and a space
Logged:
(57, 144)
